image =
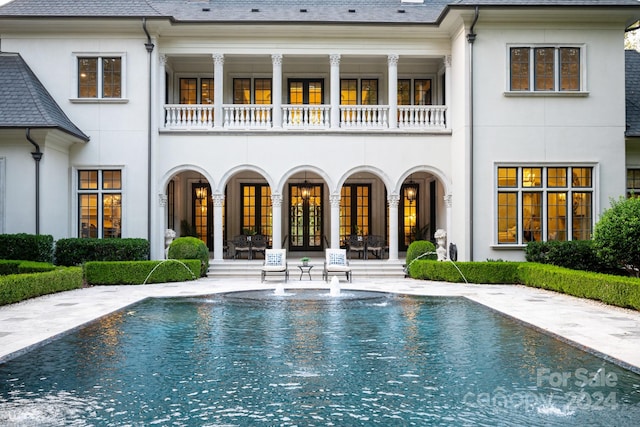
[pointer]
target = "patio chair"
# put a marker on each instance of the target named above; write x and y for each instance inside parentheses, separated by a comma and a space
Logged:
(356, 244)
(336, 262)
(376, 245)
(259, 244)
(275, 261)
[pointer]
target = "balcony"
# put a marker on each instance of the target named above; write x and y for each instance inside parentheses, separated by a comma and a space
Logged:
(260, 117)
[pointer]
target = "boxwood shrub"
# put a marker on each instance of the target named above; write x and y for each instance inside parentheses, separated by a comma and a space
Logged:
(490, 272)
(26, 247)
(573, 254)
(76, 251)
(140, 272)
(22, 267)
(190, 248)
(17, 287)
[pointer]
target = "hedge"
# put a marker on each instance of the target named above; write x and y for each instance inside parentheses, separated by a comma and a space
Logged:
(610, 289)
(23, 267)
(18, 287)
(489, 272)
(140, 272)
(77, 251)
(26, 247)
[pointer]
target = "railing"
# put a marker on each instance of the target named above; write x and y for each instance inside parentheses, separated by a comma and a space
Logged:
(188, 116)
(364, 116)
(247, 116)
(306, 116)
(421, 116)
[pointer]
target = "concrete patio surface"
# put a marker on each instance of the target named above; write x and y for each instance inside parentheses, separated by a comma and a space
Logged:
(610, 332)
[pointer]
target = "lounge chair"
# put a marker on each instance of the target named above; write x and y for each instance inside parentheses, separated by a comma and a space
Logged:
(336, 262)
(275, 261)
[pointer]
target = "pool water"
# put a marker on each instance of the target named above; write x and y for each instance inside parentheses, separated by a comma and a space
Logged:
(231, 360)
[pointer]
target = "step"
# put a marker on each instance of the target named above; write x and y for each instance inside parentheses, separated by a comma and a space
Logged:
(359, 269)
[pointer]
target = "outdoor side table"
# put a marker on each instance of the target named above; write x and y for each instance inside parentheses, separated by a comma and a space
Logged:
(305, 269)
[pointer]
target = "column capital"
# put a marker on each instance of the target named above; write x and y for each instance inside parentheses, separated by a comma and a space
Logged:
(447, 61)
(276, 200)
(276, 59)
(218, 200)
(393, 200)
(334, 200)
(162, 200)
(448, 200)
(218, 58)
(392, 59)
(162, 59)
(334, 59)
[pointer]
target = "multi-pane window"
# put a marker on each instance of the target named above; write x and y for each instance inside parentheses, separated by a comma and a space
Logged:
(414, 92)
(544, 203)
(354, 210)
(257, 210)
(545, 69)
(242, 93)
(196, 91)
(633, 182)
(100, 77)
(100, 203)
(368, 94)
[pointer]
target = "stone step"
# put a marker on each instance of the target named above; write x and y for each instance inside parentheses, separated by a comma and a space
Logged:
(359, 268)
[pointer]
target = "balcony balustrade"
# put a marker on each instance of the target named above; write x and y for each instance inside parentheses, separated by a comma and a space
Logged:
(304, 117)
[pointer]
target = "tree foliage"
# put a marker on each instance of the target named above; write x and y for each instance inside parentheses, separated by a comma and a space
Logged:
(617, 234)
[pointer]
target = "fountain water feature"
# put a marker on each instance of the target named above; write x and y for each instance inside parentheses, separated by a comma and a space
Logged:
(279, 290)
(334, 289)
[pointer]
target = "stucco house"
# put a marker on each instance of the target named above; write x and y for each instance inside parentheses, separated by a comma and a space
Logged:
(310, 121)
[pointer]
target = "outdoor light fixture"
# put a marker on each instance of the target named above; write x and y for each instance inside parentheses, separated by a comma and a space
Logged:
(411, 189)
(201, 191)
(305, 188)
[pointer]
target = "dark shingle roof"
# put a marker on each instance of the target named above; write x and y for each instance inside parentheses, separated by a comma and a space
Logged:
(24, 101)
(632, 89)
(321, 11)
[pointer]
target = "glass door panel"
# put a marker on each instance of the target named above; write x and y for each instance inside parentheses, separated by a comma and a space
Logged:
(305, 217)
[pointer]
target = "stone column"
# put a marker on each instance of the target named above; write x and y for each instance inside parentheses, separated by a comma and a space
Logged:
(218, 99)
(276, 220)
(447, 92)
(162, 82)
(335, 90)
(334, 199)
(393, 200)
(276, 90)
(218, 238)
(392, 61)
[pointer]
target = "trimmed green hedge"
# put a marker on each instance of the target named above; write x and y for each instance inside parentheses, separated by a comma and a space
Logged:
(137, 272)
(22, 267)
(190, 248)
(490, 272)
(17, 287)
(76, 251)
(28, 247)
(610, 289)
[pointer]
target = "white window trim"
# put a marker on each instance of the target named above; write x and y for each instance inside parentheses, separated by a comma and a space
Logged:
(75, 232)
(595, 204)
(583, 92)
(74, 98)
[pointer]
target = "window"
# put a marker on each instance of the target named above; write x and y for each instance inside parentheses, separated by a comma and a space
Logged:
(100, 203)
(257, 209)
(414, 92)
(633, 182)
(242, 93)
(545, 69)
(354, 210)
(100, 77)
(544, 203)
(196, 91)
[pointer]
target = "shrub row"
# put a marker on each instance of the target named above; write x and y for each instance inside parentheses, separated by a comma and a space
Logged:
(18, 287)
(611, 289)
(573, 254)
(23, 267)
(76, 251)
(27, 247)
(139, 272)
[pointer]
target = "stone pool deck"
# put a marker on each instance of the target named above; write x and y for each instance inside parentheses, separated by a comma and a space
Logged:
(610, 332)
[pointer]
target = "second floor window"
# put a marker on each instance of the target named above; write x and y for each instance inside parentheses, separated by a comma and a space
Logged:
(100, 77)
(414, 92)
(545, 69)
(368, 92)
(243, 93)
(196, 91)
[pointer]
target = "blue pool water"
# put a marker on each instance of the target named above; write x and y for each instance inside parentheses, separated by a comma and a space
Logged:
(295, 360)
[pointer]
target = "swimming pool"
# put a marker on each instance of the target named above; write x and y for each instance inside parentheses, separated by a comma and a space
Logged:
(248, 359)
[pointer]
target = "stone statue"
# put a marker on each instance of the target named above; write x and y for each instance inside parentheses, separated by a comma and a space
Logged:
(441, 241)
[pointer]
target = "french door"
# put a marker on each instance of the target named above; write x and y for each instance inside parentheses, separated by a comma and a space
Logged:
(202, 213)
(305, 217)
